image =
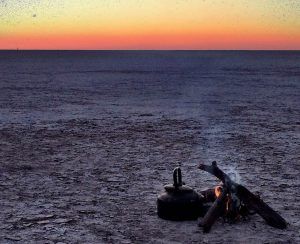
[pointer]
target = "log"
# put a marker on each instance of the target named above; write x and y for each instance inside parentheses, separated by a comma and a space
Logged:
(248, 198)
(259, 206)
(216, 171)
(209, 195)
(214, 212)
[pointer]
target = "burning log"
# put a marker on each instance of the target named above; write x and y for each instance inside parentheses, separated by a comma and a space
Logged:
(247, 201)
(209, 195)
(215, 211)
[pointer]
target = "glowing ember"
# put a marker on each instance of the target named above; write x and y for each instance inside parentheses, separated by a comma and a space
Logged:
(218, 190)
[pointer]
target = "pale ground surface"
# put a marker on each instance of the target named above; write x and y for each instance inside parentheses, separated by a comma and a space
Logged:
(84, 154)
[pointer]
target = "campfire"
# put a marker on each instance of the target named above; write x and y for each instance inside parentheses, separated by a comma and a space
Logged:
(233, 201)
(229, 200)
(233, 209)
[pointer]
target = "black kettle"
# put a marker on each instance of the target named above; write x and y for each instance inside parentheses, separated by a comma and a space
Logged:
(179, 202)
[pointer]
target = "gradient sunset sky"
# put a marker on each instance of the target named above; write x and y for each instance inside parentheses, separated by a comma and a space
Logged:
(150, 24)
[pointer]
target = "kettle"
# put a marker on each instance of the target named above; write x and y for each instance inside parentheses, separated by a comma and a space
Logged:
(178, 201)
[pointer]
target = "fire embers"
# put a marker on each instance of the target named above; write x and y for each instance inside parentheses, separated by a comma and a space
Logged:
(226, 204)
(233, 207)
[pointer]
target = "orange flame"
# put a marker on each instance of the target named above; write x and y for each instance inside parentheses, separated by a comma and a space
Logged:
(218, 190)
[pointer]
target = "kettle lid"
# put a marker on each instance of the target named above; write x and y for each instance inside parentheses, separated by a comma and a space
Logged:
(178, 185)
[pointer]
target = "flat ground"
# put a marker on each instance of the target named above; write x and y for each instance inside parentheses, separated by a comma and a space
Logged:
(84, 155)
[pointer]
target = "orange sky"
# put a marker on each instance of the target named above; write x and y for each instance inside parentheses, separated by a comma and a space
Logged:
(150, 24)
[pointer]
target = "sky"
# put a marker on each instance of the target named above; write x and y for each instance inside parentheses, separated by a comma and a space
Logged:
(150, 24)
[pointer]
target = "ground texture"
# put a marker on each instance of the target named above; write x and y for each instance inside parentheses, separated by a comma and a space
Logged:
(84, 155)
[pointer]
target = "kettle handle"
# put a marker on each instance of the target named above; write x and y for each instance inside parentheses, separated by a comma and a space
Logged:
(177, 177)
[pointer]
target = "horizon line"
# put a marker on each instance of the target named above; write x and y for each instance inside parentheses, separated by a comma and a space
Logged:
(246, 50)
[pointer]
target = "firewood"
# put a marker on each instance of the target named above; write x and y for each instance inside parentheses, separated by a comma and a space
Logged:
(249, 199)
(214, 212)
(208, 195)
(216, 171)
(264, 210)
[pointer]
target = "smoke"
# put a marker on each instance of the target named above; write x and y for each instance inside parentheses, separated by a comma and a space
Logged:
(234, 174)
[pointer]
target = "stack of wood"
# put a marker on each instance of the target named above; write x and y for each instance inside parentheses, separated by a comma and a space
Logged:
(232, 201)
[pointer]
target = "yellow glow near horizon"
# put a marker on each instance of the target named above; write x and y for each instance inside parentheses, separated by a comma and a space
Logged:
(179, 22)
